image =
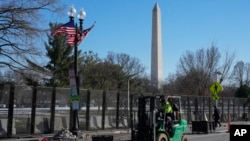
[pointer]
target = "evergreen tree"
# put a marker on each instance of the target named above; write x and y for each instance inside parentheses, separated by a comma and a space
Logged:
(61, 59)
(243, 91)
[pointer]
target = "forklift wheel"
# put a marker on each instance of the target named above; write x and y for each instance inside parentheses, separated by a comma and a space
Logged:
(162, 137)
(184, 138)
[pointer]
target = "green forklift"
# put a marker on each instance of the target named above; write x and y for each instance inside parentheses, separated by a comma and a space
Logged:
(150, 124)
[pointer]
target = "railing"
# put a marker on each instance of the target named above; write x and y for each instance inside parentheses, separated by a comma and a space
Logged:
(39, 110)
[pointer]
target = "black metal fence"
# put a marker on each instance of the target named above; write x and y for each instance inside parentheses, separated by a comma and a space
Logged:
(201, 108)
(39, 110)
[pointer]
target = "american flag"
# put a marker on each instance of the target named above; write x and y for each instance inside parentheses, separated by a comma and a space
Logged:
(85, 32)
(69, 30)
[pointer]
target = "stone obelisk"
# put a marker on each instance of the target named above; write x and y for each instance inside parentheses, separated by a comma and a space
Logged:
(156, 51)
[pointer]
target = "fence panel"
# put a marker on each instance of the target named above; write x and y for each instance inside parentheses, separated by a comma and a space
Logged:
(123, 110)
(62, 109)
(110, 116)
(96, 99)
(22, 109)
(82, 112)
(43, 113)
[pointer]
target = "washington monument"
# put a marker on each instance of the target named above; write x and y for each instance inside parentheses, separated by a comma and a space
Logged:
(156, 51)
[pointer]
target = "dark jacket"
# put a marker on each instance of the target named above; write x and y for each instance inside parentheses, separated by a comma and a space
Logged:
(216, 113)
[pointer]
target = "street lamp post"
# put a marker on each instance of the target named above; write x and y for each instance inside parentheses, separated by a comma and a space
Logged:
(78, 34)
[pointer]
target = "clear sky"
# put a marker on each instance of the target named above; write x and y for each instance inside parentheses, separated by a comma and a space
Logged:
(124, 26)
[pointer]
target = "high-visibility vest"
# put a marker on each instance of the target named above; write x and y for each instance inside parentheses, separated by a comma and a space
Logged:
(168, 108)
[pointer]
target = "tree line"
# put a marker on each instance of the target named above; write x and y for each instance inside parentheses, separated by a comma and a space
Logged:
(195, 71)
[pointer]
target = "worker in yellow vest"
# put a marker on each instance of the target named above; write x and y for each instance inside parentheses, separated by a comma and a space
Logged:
(167, 106)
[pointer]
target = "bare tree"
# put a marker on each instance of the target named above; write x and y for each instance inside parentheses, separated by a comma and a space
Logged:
(226, 66)
(240, 76)
(238, 73)
(170, 86)
(247, 70)
(131, 66)
(241, 73)
(195, 70)
(20, 26)
(133, 71)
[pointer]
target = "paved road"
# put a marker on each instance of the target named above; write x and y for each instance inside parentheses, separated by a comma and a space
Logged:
(220, 134)
(209, 137)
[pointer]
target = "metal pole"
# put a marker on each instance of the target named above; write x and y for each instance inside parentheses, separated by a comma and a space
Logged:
(228, 108)
(52, 109)
(75, 111)
(103, 108)
(203, 108)
(131, 112)
(233, 109)
(222, 110)
(10, 110)
(128, 106)
(33, 110)
(209, 109)
(87, 110)
(117, 109)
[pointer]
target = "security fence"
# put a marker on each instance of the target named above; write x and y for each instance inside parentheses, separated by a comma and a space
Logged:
(201, 108)
(41, 110)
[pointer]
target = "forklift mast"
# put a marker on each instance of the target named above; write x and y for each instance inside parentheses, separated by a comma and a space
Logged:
(145, 128)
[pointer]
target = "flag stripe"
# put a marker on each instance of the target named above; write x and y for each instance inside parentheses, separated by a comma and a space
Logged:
(65, 28)
(68, 29)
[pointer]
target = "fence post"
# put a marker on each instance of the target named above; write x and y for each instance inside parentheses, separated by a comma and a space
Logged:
(239, 111)
(10, 110)
(244, 116)
(52, 109)
(228, 108)
(189, 112)
(87, 109)
(222, 109)
(233, 109)
(248, 113)
(196, 108)
(117, 110)
(33, 110)
(209, 108)
(103, 108)
(131, 111)
(203, 108)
